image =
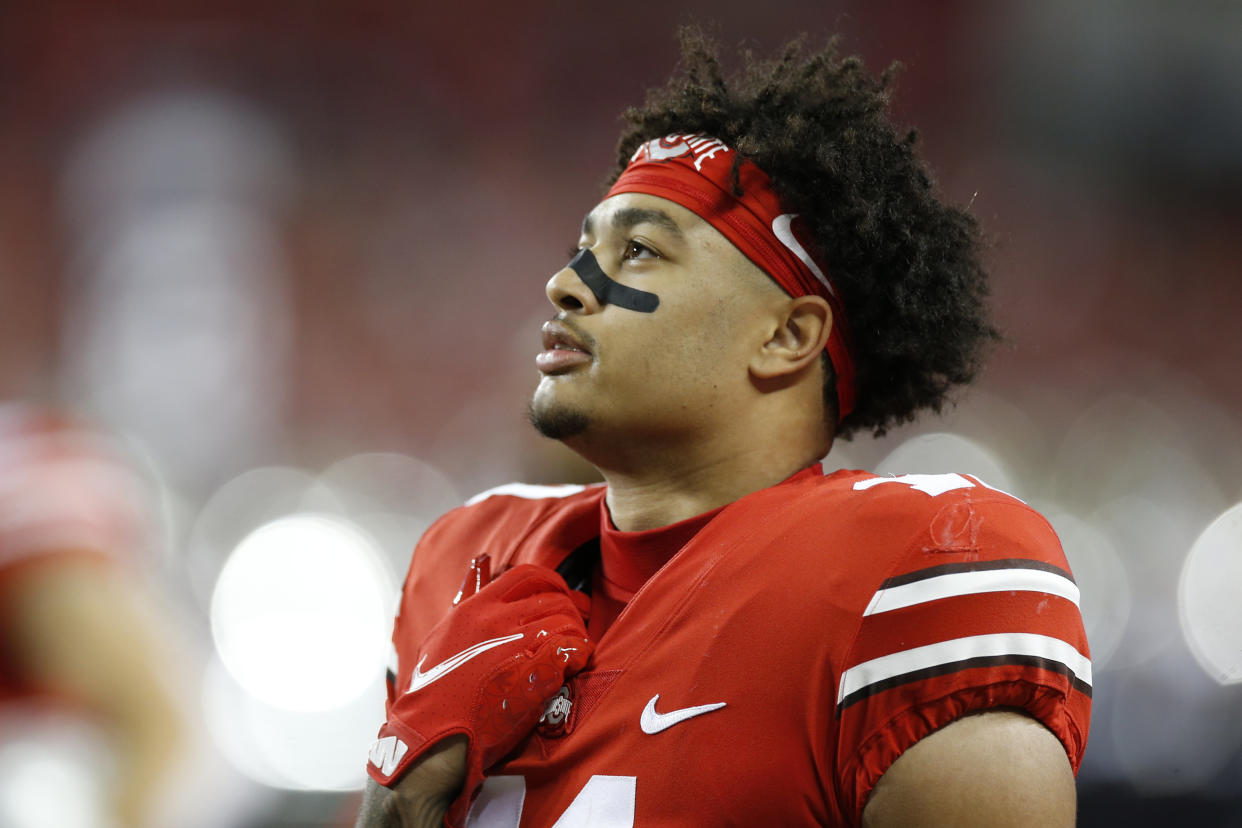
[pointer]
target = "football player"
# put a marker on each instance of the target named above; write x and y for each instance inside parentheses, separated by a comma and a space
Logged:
(74, 636)
(727, 632)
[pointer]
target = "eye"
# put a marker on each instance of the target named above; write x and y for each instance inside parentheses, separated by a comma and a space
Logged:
(637, 250)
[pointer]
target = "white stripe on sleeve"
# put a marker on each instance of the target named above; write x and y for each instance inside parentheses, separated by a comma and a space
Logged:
(956, 650)
(972, 583)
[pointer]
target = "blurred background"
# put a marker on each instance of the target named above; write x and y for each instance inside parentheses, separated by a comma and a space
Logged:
(292, 255)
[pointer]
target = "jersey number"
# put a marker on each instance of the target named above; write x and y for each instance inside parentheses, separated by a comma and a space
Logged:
(603, 802)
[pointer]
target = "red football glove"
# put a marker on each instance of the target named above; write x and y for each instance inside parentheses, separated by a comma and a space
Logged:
(495, 660)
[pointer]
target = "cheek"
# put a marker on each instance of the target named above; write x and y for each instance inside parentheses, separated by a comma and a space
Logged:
(704, 347)
(649, 355)
(694, 340)
(722, 331)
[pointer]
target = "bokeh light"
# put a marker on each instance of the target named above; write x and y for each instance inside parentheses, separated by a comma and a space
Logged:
(292, 749)
(53, 772)
(251, 499)
(1209, 598)
(302, 611)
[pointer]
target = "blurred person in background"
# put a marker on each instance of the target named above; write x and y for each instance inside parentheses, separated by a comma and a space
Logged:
(75, 635)
(726, 632)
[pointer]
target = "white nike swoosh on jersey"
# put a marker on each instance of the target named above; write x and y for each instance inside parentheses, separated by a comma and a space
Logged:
(421, 679)
(653, 722)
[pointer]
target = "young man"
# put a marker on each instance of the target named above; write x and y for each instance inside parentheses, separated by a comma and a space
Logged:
(725, 632)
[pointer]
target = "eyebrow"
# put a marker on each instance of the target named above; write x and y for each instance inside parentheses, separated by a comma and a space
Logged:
(630, 217)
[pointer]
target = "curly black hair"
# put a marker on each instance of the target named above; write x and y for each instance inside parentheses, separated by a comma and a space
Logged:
(906, 265)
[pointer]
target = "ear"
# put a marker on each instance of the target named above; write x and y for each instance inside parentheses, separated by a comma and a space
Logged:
(796, 340)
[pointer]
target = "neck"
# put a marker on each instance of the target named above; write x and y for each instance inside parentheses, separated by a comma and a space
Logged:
(659, 485)
(647, 502)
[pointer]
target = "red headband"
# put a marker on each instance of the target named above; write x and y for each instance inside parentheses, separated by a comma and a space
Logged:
(696, 171)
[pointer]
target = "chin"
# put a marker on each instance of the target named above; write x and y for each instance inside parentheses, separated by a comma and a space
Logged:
(556, 422)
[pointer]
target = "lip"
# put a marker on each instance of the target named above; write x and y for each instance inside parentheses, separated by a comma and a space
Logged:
(562, 350)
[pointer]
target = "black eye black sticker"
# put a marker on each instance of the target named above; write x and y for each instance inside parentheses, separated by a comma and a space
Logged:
(606, 290)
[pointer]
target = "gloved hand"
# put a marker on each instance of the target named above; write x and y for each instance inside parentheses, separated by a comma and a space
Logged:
(486, 671)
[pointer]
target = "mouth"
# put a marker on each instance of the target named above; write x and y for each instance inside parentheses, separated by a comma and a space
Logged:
(557, 337)
(562, 349)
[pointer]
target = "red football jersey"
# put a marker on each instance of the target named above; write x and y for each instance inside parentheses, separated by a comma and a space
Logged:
(775, 667)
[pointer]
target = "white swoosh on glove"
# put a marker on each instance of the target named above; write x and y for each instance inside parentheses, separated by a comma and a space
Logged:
(421, 679)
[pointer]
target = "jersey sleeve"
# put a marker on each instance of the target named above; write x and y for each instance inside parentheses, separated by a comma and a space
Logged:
(979, 611)
(426, 592)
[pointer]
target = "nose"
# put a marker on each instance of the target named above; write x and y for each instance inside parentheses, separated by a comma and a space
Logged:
(567, 292)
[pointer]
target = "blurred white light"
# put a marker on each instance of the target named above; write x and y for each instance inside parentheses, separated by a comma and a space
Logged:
(301, 613)
(52, 775)
(1102, 581)
(43, 779)
(943, 453)
(290, 749)
(1209, 598)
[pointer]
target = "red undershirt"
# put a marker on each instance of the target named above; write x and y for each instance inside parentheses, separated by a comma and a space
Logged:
(629, 559)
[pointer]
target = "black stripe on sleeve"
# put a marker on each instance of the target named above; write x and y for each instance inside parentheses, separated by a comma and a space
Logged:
(974, 566)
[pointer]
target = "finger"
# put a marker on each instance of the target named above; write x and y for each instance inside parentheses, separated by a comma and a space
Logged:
(526, 580)
(567, 651)
(582, 603)
(573, 652)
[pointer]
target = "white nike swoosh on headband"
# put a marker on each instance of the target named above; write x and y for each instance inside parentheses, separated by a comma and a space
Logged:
(784, 233)
(421, 679)
(653, 722)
